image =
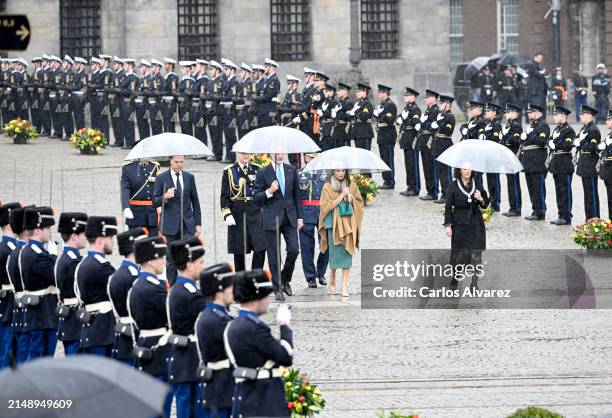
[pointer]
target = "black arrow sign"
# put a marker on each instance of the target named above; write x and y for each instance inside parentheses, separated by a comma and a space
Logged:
(14, 32)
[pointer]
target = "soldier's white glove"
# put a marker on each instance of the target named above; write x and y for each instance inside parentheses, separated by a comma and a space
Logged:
(296, 120)
(583, 135)
(399, 120)
(283, 314)
(230, 221)
(334, 113)
(377, 111)
(127, 213)
(551, 144)
(434, 125)
(577, 142)
(423, 117)
(471, 125)
(354, 109)
(417, 127)
(405, 114)
(440, 116)
(482, 137)
(505, 130)
(602, 146)
(337, 107)
(324, 106)
(529, 129)
(609, 140)
(52, 247)
(464, 131)
(523, 136)
(319, 112)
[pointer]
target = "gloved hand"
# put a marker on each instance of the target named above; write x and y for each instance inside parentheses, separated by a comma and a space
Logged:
(417, 127)
(482, 137)
(464, 131)
(434, 125)
(230, 221)
(52, 247)
(127, 213)
(529, 130)
(319, 112)
(440, 116)
(399, 120)
(601, 146)
(296, 120)
(334, 114)
(551, 144)
(324, 106)
(523, 136)
(378, 110)
(354, 109)
(337, 107)
(577, 142)
(505, 130)
(283, 314)
(423, 117)
(609, 140)
(405, 114)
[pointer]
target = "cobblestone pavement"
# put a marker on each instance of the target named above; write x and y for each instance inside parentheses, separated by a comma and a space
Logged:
(473, 363)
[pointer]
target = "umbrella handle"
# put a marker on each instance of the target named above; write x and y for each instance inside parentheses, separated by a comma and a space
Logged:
(161, 221)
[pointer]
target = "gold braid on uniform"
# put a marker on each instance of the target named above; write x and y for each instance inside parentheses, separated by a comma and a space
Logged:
(236, 192)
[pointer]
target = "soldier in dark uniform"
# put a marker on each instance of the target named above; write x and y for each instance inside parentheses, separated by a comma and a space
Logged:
(185, 302)
(38, 277)
(95, 93)
(54, 83)
(386, 136)
(560, 165)
(147, 307)
(267, 98)
(511, 138)
(409, 123)
(105, 81)
(115, 99)
(129, 89)
(444, 125)
(581, 90)
(186, 89)
(168, 91)
(605, 169)
(246, 94)
(33, 98)
(341, 117)
(143, 86)
(241, 214)
(486, 83)
(214, 93)
(586, 144)
(537, 87)
(8, 244)
(217, 387)
(361, 123)
(493, 132)
(258, 85)
(71, 226)
(474, 128)
(254, 352)
(506, 88)
(65, 93)
(90, 286)
(230, 98)
(325, 117)
(424, 142)
(4, 86)
(559, 85)
(22, 78)
(311, 185)
(119, 284)
(137, 181)
(156, 110)
(289, 112)
(78, 93)
(304, 118)
(532, 155)
(198, 110)
(600, 84)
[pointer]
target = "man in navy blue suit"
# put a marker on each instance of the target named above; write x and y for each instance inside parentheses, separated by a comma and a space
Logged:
(171, 187)
(277, 191)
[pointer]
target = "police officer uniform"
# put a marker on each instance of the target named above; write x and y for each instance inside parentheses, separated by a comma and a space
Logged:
(409, 123)
(119, 284)
(69, 325)
(386, 135)
(217, 387)
(185, 302)
(237, 191)
(342, 119)
(424, 143)
(361, 122)
(493, 132)
(129, 87)
(267, 99)
(443, 126)
(561, 166)
(586, 144)
(605, 168)
(311, 185)
(533, 156)
(511, 138)
(90, 286)
(137, 181)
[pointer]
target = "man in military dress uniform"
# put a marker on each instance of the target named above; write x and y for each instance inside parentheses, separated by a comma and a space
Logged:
(198, 110)
(267, 98)
(506, 88)
(325, 117)
(258, 85)
(38, 277)
(217, 387)
(230, 98)
(119, 284)
(94, 86)
(444, 125)
(129, 89)
(186, 89)
(600, 84)
(511, 138)
(241, 214)
(105, 81)
(214, 93)
(486, 81)
(361, 123)
(424, 143)
(409, 122)
(246, 88)
(533, 156)
(605, 169)
(311, 185)
(559, 85)
(476, 124)
(586, 144)
(65, 94)
(137, 181)
(185, 302)
(33, 96)
(304, 118)
(71, 226)
(143, 87)
(385, 114)
(78, 93)
(581, 90)
(289, 108)
(341, 117)
(90, 286)
(168, 92)
(115, 99)
(493, 132)
(156, 109)
(254, 352)
(560, 166)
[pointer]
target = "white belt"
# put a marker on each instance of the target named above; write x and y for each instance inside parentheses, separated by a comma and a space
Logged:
(100, 307)
(145, 333)
(138, 100)
(152, 101)
(19, 295)
(528, 147)
(7, 287)
(80, 93)
(124, 320)
(52, 95)
(70, 302)
(168, 98)
(51, 290)
(218, 365)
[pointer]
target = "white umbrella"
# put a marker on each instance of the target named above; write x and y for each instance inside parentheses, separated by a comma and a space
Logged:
(354, 159)
(166, 145)
(275, 140)
(481, 155)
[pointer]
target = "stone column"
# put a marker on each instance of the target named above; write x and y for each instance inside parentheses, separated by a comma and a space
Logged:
(590, 34)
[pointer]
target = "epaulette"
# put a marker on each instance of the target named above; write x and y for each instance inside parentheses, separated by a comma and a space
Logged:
(36, 249)
(11, 245)
(100, 259)
(190, 287)
(228, 167)
(133, 270)
(218, 313)
(153, 280)
(71, 255)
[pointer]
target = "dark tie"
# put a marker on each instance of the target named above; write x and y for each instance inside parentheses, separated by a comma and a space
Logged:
(179, 188)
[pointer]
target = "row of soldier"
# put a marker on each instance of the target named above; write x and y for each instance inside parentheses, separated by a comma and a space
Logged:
(183, 335)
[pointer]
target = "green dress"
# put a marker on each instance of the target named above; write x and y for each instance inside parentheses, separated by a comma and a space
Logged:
(339, 258)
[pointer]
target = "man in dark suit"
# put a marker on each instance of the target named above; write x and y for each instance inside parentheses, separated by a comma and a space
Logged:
(175, 190)
(277, 190)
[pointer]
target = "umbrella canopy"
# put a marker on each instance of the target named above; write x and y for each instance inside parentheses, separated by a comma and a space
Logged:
(484, 156)
(98, 388)
(475, 66)
(275, 140)
(514, 58)
(354, 159)
(164, 146)
(494, 58)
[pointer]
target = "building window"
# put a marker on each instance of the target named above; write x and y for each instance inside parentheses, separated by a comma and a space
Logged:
(507, 26)
(456, 33)
(379, 29)
(197, 29)
(80, 27)
(290, 29)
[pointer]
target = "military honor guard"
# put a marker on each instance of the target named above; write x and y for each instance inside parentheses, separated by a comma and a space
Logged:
(214, 94)
(146, 305)
(156, 107)
(168, 91)
(493, 132)
(341, 117)
(198, 110)
(511, 138)
(533, 155)
(185, 302)
(78, 93)
(230, 98)
(304, 119)
(68, 81)
(186, 89)
(476, 124)
(115, 100)
(215, 371)
(311, 185)
(386, 135)
(90, 286)
(241, 214)
(425, 142)
(586, 144)
(255, 354)
(267, 98)
(71, 227)
(137, 183)
(325, 117)
(246, 95)
(143, 87)
(486, 82)
(605, 168)
(409, 123)
(361, 114)
(127, 115)
(289, 109)
(443, 126)
(560, 164)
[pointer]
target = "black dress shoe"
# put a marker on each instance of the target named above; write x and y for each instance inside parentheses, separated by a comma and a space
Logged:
(226, 161)
(385, 187)
(406, 192)
(322, 281)
(278, 295)
(212, 158)
(116, 145)
(534, 218)
(427, 197)
(511, 214)
(440, 201)
(560, 221)
(126, 147)
(312, 283)
(287, 289)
